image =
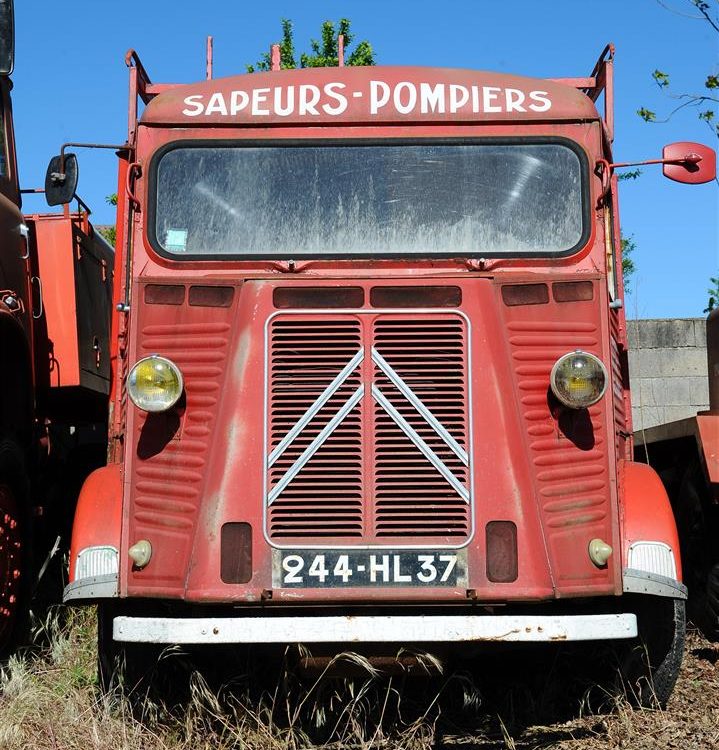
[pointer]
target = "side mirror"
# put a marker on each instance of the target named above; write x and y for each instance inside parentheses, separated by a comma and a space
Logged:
(61, 180)
(691, 163)
(7, 37)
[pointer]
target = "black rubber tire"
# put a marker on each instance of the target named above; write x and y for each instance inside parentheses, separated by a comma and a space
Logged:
(136, 670)
(649, 665)
(698, 524)
(119, 667)
(15, 549)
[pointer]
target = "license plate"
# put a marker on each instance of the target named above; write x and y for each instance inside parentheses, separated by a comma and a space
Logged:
(351, 568)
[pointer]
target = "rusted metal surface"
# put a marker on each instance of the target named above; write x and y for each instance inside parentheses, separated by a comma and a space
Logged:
(708, 434)
(13, 567)
(350, 629)
(72, 259)
(275, 57)
(209, 58)
(385, 96)
(330, 432)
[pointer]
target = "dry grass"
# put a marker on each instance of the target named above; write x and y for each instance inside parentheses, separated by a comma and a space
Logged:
(49, 700)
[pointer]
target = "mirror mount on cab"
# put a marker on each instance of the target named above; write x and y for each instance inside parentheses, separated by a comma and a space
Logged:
(62, 172)
(684, 161)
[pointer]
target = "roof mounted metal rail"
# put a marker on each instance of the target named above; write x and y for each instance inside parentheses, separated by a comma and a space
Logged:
(600, 80)
(142, 86)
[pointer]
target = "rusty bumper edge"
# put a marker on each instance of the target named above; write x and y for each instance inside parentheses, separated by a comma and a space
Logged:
(377, 629)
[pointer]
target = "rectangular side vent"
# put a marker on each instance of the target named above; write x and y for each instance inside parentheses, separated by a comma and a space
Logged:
(305, 297)
(525, 294)
(211, 296)
(573, 291)
(164, 294)
(416, 296)
(236, 553)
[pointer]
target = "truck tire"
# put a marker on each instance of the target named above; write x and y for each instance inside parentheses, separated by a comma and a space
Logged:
(127, 668)
(698, 524)
(15, 561)
(649, 665)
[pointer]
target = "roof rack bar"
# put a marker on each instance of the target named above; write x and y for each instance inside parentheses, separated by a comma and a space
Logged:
(275, 57)
(603, 73)
(341, 50)
(208, 59)
(600, 80)
(577, 83)
(139, 81)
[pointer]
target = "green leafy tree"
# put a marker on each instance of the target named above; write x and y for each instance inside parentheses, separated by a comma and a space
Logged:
(628, 266)
(713, 293)
(707, 101)
(628, 245)
(324, 52)
(109, 232)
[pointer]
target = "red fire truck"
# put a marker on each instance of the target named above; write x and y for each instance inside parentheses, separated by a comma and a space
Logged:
(685, 454)
(55, 297)
(371, 371)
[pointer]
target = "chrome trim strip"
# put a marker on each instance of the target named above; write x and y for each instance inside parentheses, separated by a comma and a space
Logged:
(429, 454)
(366, 628)
(274, 544)
(95, 587)
(322, 399)
(426, 414)
(312, 448)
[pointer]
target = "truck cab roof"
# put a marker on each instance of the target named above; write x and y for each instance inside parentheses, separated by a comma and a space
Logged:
(367, 95)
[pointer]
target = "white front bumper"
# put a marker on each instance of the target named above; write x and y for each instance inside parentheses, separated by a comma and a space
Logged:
(369, 629)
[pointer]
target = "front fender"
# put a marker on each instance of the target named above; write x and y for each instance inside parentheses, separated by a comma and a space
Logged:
(94, 550)
(650, 542)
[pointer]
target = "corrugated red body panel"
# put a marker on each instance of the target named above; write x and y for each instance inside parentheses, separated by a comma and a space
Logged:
(75, 267)
(168, 464)
(369, 427)
(570, 451)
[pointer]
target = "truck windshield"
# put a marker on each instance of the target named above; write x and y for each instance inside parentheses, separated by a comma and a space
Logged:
(374, 200)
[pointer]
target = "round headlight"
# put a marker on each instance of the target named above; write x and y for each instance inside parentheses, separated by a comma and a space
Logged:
(578, 379)
(154, 383)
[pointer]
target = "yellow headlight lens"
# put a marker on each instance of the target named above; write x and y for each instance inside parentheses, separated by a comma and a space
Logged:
(154, 384)
(578, 379)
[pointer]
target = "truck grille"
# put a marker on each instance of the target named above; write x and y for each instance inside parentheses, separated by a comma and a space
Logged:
(368, 435)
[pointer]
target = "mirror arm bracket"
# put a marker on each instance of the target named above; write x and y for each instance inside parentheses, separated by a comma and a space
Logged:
(689, 158)
(61, 174)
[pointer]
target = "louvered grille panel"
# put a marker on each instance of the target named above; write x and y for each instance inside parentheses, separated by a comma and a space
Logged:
(618, 394)
(368, 435)
(324, 499)
(412, 498)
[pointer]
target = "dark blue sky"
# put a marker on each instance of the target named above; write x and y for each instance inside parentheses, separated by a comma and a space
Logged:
(71, 84)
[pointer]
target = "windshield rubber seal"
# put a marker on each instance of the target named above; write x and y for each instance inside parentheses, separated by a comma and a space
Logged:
(151, 208)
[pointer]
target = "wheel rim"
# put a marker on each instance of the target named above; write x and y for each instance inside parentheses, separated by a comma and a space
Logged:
(10, 561)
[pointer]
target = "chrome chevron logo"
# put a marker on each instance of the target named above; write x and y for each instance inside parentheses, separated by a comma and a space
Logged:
(385, 403)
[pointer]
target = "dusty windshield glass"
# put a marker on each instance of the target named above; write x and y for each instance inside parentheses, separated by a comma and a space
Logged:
(368, 200)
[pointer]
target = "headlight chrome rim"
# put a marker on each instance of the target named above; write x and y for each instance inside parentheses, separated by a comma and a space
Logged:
(155, 407)
(557, 391)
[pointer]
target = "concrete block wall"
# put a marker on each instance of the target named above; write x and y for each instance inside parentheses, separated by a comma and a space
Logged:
(667, 369)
